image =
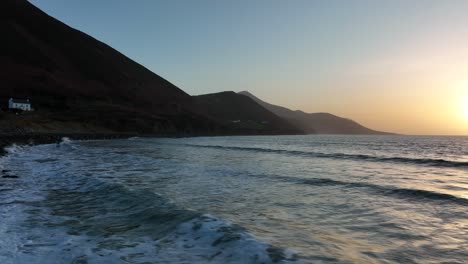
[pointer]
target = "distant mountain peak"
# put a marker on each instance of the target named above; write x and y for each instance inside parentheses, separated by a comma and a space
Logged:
(246, 93)
(249, 94)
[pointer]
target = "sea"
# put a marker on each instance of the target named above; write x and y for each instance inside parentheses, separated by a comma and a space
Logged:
(252, 199)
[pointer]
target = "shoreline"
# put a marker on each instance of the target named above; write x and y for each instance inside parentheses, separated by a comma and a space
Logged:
(49, 138)
(7, 139)
(39, 139)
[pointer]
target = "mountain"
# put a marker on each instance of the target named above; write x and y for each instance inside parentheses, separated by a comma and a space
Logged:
(72, 78)
(79, 84)
(315, 123)
(243, 115)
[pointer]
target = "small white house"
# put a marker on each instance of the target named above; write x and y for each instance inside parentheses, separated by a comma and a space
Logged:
(24, 105)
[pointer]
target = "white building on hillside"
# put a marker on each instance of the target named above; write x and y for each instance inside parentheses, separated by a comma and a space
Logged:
(24, 105)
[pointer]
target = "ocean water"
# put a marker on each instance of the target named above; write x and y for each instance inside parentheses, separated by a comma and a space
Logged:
(259, 199)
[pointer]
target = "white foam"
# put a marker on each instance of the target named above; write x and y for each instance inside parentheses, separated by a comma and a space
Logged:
(14, 148)
(32, 234)
(202, 240)
(210, 239)
(15, 198)
(68, 143)
(66, 140)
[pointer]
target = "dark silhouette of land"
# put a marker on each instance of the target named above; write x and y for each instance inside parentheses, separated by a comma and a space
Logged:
(79, 85)
(316, 123)
(71, 77)
(242, 114)
(74, 80)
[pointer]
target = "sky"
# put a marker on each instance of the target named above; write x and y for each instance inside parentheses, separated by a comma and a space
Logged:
(398, 65)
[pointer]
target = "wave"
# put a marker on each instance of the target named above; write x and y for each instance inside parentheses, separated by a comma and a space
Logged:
(210, 239)
(407, 193)
(66, 140)
(13, 149)
(386, 190)
(109, 210)
(404, 160)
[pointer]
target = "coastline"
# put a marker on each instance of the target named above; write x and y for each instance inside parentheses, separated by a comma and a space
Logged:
(8, 139)
(39, 139)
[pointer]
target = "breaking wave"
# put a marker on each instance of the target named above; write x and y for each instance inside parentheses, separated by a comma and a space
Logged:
(66, 140)
(14, 148)
(119, 223)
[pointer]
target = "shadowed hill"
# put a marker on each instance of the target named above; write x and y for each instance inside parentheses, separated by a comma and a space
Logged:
(320, 123)
(242, 114)
(73, 77)
(78, 83)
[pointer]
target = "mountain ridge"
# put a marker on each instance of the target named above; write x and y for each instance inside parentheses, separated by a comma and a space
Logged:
(72, 77)
(79, 84)
(243, 114)
(316, 123)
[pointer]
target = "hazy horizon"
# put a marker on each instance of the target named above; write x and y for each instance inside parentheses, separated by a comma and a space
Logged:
(395, 66)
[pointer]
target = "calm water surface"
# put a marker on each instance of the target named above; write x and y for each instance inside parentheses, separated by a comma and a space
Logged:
(285, 199)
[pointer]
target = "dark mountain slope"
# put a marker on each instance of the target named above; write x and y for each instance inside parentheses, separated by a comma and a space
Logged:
(71, 76)
(320, 123)
(242, 114)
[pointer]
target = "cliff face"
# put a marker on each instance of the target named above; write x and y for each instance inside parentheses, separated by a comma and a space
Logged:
(71, 76)
(316, 123)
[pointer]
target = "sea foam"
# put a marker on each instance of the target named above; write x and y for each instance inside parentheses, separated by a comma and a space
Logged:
(14, 148)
